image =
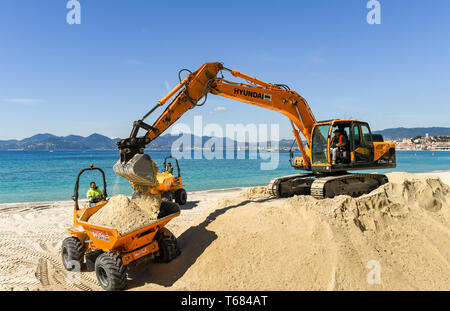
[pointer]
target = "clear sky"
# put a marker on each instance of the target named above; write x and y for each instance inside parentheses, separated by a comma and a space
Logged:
(108, 71)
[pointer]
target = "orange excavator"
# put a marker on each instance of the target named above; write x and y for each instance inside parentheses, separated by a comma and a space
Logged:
(326, 160)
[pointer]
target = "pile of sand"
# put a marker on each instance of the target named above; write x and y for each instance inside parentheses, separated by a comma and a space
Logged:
(127, 216)
(395, 238)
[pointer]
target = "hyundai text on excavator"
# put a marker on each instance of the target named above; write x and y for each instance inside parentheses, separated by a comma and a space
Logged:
(325, 178)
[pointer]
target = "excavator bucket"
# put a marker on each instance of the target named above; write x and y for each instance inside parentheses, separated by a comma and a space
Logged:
(140, 170)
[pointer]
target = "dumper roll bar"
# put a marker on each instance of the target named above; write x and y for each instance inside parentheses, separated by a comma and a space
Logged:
(172, 157)
(77, 184)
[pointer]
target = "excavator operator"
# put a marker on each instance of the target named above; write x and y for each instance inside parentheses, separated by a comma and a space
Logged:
(339, 144)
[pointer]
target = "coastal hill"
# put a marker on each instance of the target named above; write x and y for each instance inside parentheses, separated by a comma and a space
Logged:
(401, 132)
(51, 142)
(93, 142)
(164, 142)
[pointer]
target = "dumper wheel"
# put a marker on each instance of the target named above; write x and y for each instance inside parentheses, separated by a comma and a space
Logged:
(110, 271)
(72, 253)
(181, 196)
(168, 246)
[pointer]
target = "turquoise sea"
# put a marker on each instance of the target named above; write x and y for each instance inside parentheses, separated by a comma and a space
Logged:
(31, 176)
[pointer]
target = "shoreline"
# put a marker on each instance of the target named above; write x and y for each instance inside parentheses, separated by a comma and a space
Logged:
(83, 201)
(440, 173)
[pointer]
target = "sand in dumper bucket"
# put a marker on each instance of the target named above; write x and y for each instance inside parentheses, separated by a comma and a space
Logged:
(127, 216)
(139, 170)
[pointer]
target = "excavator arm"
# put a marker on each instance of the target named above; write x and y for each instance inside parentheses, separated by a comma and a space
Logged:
(195, 88)
(273, 97)
(190, 91)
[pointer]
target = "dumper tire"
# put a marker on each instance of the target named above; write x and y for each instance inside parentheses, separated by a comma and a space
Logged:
(72, 252)
(110, 272)
(168, 246)
(181, 196)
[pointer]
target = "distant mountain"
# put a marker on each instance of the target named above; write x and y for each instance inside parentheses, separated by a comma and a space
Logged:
(287, 143)
(394, 133)
(37, 138)
(52, 142)
(401, 132)
(99, 142)
(164, 142)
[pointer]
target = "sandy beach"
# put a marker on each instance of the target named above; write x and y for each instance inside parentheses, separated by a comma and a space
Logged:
(240, 239)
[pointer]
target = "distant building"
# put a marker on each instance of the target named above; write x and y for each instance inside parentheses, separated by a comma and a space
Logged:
(424, 143)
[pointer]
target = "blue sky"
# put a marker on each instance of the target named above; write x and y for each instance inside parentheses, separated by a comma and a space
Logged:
(107, 72)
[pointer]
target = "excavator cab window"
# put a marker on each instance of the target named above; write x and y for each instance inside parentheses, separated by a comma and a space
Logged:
(342, 152)
(320, 144)
(363, 146)
(356, 136)
(367, 138)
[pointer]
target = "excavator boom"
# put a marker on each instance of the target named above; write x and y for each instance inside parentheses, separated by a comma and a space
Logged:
(193, 90)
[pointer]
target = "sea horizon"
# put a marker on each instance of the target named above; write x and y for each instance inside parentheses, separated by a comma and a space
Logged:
(43, 176)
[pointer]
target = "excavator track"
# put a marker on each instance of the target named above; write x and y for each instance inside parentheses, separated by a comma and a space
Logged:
(290, 185)
(326, 186)
(349, 184)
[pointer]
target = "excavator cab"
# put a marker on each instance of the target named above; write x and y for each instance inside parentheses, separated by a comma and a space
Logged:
(353, 147)
(357, 148)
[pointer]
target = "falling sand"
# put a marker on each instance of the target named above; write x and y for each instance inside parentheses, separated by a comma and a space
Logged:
(127, 216)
